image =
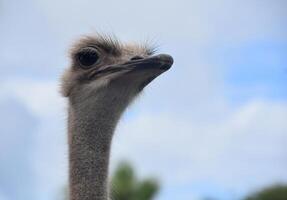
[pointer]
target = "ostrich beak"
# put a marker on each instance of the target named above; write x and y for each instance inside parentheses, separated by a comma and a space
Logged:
(156, 65)
(161, 62)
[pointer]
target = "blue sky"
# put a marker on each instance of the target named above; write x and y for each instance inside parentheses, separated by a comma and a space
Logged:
(214, 125)
(260, 66)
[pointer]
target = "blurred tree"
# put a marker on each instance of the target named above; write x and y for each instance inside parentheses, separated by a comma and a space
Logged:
(125, 186)
(275, 192)
(209, 198)
(63, 194)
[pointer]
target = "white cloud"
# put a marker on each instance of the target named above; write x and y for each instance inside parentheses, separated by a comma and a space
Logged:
(42, 97)
(48, 157)
(233, 152)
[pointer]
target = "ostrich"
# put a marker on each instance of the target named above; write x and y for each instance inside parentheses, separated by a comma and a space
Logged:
(104, 77)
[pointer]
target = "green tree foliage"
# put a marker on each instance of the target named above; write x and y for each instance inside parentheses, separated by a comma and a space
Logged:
(125, 185)
(275, 192)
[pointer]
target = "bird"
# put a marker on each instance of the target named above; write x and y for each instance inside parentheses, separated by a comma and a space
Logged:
(105, 75)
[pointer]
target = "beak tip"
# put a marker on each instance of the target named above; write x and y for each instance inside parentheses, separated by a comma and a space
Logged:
(166, 60)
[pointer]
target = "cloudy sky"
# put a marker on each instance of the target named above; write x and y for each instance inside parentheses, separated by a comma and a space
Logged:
(212, 126)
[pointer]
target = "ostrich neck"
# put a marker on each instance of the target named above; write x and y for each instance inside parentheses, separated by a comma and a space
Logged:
(90, 134)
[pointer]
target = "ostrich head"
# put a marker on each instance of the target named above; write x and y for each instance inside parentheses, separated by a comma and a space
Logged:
(103, 78)
(104, 70)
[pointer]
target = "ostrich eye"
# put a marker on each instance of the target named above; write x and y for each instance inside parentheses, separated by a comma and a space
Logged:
(87, 57)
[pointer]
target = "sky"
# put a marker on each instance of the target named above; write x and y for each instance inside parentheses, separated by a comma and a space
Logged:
(213, 126)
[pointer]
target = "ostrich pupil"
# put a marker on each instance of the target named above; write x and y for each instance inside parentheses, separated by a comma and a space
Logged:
(87, 57)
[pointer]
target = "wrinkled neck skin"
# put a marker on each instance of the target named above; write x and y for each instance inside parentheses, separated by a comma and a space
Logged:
(91, 124)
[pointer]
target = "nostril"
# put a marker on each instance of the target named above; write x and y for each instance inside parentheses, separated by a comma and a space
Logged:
(136, 58)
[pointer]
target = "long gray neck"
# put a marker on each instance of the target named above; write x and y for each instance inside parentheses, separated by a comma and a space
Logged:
(90, 134)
